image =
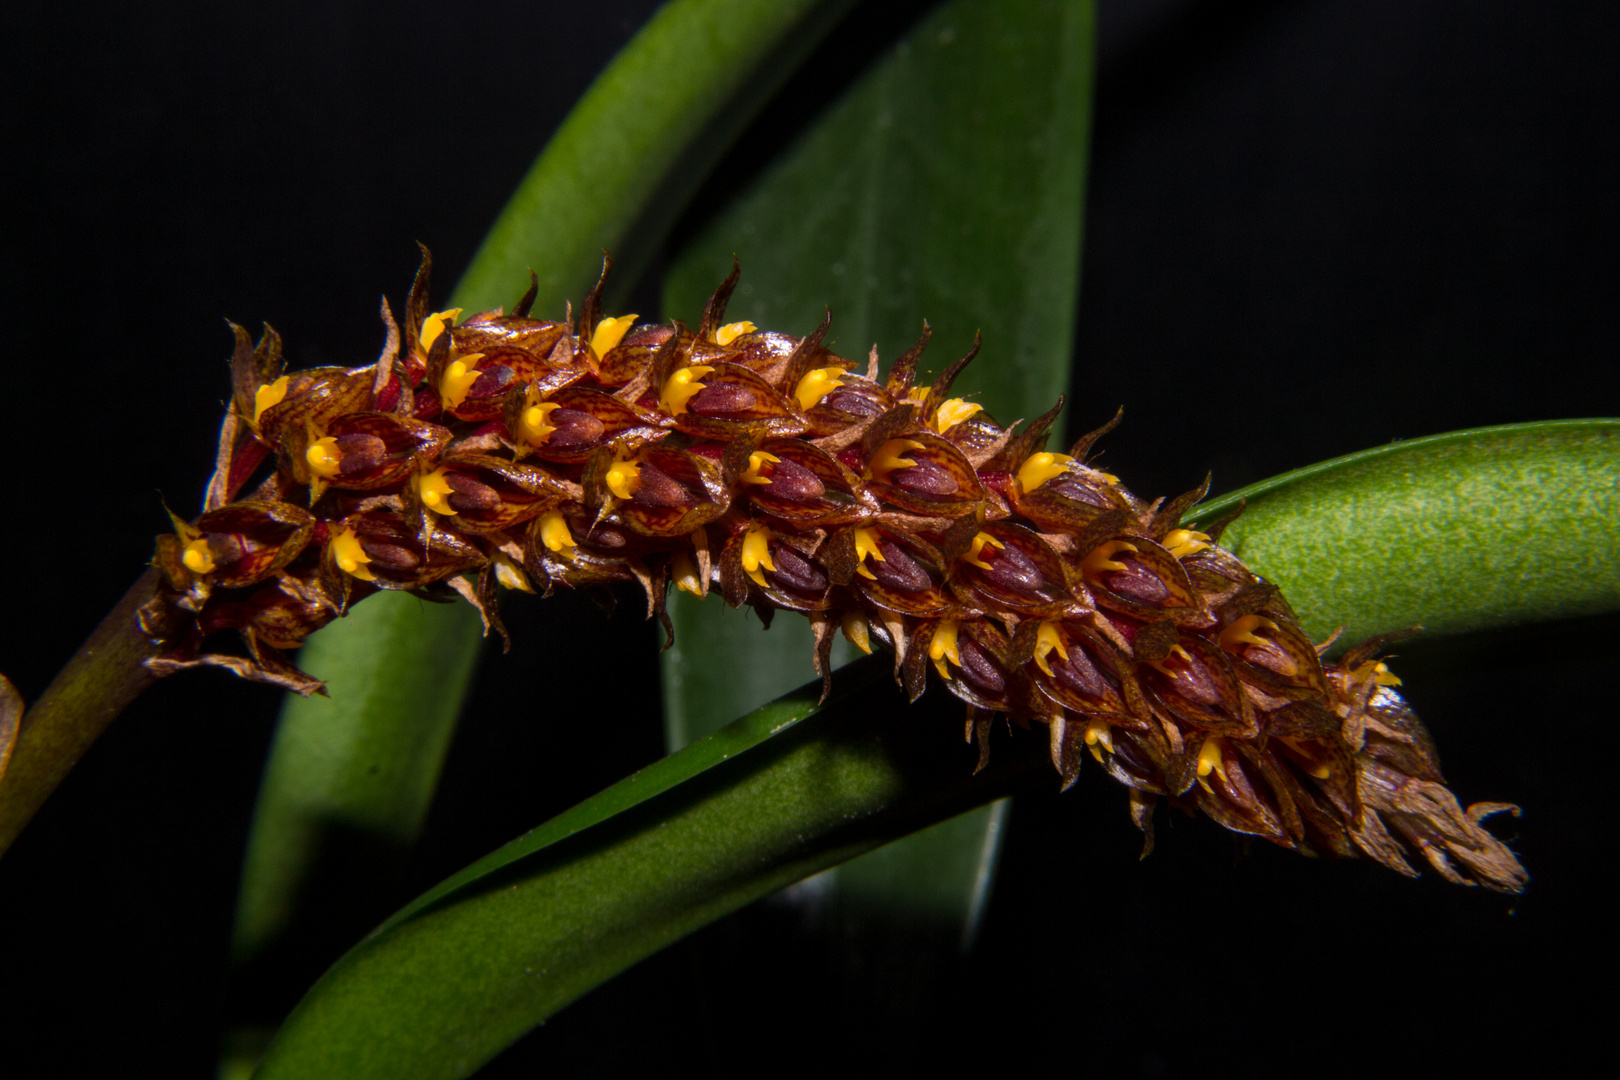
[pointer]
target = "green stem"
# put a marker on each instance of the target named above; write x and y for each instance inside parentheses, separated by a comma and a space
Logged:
(104, 676)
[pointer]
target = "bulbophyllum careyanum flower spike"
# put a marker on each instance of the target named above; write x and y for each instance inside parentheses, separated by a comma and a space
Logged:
(499, 450)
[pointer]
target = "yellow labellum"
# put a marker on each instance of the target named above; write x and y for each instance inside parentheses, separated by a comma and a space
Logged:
(533, 426)
(609, 332)
(434, 491)
(1102, 560)
(1242, 632)
(323, 456)
(624, 478)
(942, 646)
(510, 574)
(683, 568)
(953, 412)
(866, 543)
(1210, 759)
(856, 631)
(350, 556)
(434, 325)
(976, 549)
(1163, 666)
(554, 532)
(1040, 468)
(268, 396)
(198, 559)
(756, 553)
(458, 379)
(732, 331)
(817, 384)
(1049, 639)
(890, 456)
(682, 387)
(1185, 542)
(757, 461)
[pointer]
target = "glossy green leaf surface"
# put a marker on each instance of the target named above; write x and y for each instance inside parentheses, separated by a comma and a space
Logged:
(506, 943)
(1453, 533)
(613, 177)
(945, 184)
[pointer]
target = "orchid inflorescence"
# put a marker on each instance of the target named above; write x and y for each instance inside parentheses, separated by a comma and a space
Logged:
(509, 451)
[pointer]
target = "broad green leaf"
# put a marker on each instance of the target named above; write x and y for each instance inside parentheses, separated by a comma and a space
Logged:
(1453, 532)
(351, 775)
(945, 184)
(614, 176)
(471, 965)
(629, 156)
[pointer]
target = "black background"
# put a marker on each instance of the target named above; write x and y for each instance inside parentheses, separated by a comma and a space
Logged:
(1311, 228)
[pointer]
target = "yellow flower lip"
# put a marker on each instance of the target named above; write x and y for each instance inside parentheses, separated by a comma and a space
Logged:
(1040, 468)
(943, 646)
(197, 558)
(891, 456)
(816, 384)
(1242, 632)
(1097, 732)
(534, 426)
(953, 412)
(1184, 542)
(1177, 652)
(682, 387)
(1049, 639)
(323, 457)
(866, 543)
(976, 550)
(268, 396)
(732, 331)
(1210, 759)
(856, 630)
(458, 379)
(683, 569)
(624, 479)
(609, 332)
(510, 574)
(1102, 560)
(757, 461)
(350, 557)
(434, 325)
(554, 532)
(434, 491)
(756, 554)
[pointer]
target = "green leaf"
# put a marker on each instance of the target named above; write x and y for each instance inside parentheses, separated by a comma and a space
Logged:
(350, 776)
(946, 183)
(470, 967)
(501, 946)
(630, 154)
(617, 171)
(1454, 532)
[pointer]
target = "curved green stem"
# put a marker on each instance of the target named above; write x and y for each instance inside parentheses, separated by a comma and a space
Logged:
(104, 676)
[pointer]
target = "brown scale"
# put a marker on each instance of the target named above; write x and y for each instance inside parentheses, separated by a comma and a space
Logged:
(513, 451)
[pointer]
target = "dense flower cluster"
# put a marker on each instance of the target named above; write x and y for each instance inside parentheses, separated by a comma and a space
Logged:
(506, 450)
